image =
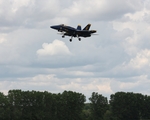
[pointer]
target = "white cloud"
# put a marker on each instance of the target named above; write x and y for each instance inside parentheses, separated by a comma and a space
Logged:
(51, 83)
(57, 47)
(116, 59)
(138, 16)
(2, 38)
(139, 84)
(139, 25)
(99, 85)
(27, 13)
(141, 60)
(101, 9)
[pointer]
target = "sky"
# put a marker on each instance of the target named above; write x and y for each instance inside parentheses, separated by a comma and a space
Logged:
(35, 57)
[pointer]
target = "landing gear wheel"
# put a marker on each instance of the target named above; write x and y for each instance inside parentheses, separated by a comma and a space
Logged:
(79, 39)
(70, 40)
(63, 36)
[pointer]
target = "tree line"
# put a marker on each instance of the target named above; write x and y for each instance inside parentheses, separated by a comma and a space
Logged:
(69, 105)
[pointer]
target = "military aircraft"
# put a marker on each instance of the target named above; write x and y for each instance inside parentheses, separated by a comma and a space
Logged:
(74, 32)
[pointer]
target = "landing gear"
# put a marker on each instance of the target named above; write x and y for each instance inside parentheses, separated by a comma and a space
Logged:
(63, 36)
(71, 39)
(78, 38)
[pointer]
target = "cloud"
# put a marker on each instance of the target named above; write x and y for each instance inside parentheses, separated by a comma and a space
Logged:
(138, 25)
(57, 47)
(2, 38)
(139, 84)
(101, 10)
(51, 83)
(141, 61)
(118, 58)
(28, 14)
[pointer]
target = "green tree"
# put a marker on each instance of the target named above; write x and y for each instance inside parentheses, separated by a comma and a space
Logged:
(86, 113)
(99, 105)
(70, 105)
(145, 111)
(4, 107)
(27, 102)
(15, 104)
(49, 105)
(108, 115)
(126, 106)
(29, 105)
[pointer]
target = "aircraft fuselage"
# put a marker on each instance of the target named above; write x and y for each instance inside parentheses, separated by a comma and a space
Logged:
(73, 32)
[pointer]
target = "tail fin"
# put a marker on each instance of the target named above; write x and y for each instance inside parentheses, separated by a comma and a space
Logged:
(87, 27)
(79, 27)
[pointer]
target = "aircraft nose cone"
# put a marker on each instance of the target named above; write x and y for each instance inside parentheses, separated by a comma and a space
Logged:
(53, 27)
(56, 27)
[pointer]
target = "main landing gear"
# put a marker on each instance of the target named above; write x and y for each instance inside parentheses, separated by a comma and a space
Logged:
(71, 38)
(78, 39)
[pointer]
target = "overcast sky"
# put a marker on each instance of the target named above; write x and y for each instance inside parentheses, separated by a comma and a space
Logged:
(34, 57)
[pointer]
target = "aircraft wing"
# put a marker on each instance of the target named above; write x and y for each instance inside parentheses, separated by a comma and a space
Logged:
(63, 28)
(69, 29)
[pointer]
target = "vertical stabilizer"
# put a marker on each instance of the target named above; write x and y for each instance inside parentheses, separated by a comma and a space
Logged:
(87, 27)
(79, 27)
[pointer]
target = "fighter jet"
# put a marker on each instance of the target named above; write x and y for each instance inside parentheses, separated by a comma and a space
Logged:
(74, 32)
